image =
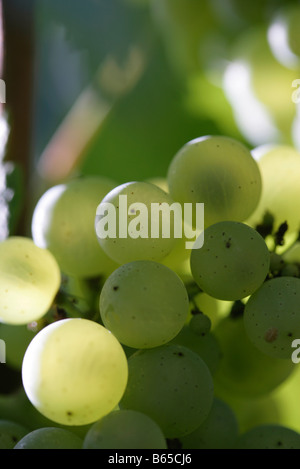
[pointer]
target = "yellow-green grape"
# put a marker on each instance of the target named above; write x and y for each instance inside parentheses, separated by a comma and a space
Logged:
(135, 222)
(269, 437)
(233, 262)
(125, 429)
(63, 222)
(17, 339)
(280, 170)
(144, 304)
(10, 433)
(50, 438)
(172, 385)
(74, 371)
(219, 430)
(219, 172)
(272, 316)
(29, 281)
(245, 371)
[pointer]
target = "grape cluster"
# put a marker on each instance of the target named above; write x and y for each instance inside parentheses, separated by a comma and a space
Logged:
(140, 342)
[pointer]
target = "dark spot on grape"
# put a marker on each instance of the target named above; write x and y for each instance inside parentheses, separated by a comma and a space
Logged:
(115, 288)
(228, 244)
(290, 334)
(279, 443)
(271, 334)
(179, 354)
(69, 413)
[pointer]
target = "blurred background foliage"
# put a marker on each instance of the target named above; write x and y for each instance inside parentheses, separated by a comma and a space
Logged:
(116, 87)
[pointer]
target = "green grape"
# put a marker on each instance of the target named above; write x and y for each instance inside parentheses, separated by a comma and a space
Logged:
(74, 371)
(280, 169)
(172, 385)
(50, 438)
(200, 324)
(218, 431)
(125, 429)
(144, 304)
(10, 433)
(233, 262)
(17, 339)
(219, 172)
(269, 437)
(207, 347)
(29, 281)
(127, 228)
(244, 371)
(63, 222)
(272, 316)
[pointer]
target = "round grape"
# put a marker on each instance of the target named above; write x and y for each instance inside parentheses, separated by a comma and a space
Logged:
(233, 262)
(63, 222)
(272, 316)
(29, 281)
(172, 385)
(125, 429)
(129, 224)
(74, 371)
(50, 438)
(218, 431)
(144, 304)
(280, 168)
(10, 433)
(219, 172)
(245, 371)
(269, 437)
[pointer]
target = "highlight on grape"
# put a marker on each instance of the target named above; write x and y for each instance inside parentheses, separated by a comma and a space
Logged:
(137, 226)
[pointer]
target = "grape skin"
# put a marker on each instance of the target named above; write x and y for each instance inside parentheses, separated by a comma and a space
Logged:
(272, 316)
(144, 247)
(144, 304)
(29, 281)
(50, 438)
(172, 385)
(219, 172)
(233, 262)
(74, 371)
(63, 222)
(269, 437)
(125, 429)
